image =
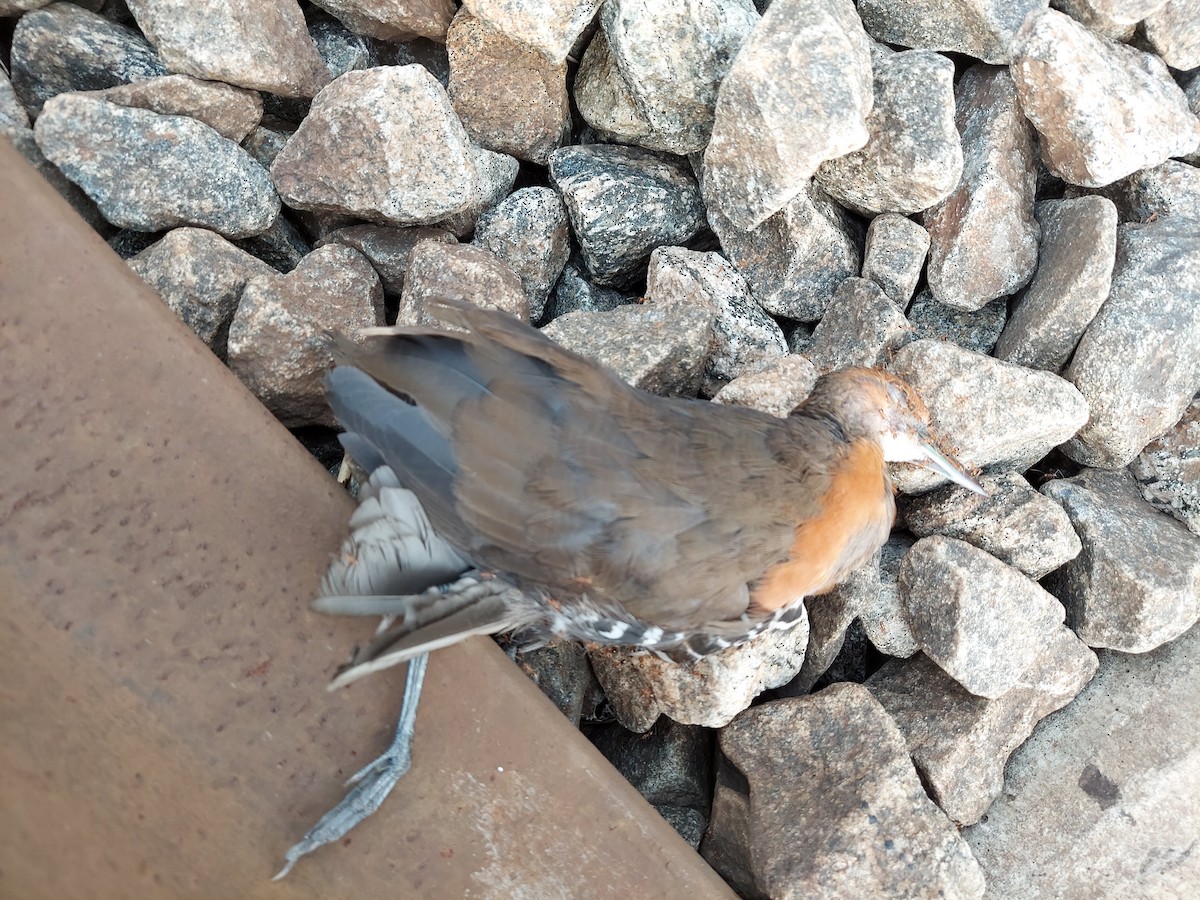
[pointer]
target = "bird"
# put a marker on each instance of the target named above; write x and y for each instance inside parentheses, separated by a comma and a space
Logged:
(513, 485)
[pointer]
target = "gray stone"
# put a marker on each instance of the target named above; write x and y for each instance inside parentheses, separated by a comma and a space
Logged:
(393, 20)
(797, 94)
(383, 145)
(636, 85)
(200, 275)
(913, 158)
(660, 347)
(998, 415)
(1169, 189)
(495, 175)
(510, 98)
(983, 237)
(624, 202)
(745, 337)
(776, 388)
(576, 290)
(66, 48)
(561, 671)
(232, 112)
(528, 231)
(1136, 584)
(1103, 796)
(985, 29)
(1074, 274)
(387, 249)
(960, 742)
(829, 617)
(795, 260)
(187, 174)
(276, 342)
(1014, 523)
(671, 766)
(549, 26)
(976, 330)
(711, 691)
(1114, 19)
(1103, 109)
(884, 620)
(14, 125)
(983, 622)
(268, 51)
(1168, 470)
(1174, 31)
(443, 271)
(341, 50)
(861, 327)
(894, 256)
(266, 140)
(1138, 363)
(835, 808)
(281, 246)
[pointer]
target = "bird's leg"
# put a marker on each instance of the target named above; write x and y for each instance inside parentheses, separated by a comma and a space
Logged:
(372, 783)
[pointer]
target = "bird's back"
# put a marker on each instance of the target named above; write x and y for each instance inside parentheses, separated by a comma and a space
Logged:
(539, 464)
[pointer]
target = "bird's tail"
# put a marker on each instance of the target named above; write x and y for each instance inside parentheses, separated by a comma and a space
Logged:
(393, 564)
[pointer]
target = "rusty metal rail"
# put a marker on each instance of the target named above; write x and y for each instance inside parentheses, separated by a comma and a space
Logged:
(164, 730)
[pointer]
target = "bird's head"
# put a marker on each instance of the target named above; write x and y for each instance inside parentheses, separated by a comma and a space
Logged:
(878, 406)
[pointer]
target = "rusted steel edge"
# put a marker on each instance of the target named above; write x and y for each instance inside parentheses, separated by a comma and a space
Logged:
(164, 728)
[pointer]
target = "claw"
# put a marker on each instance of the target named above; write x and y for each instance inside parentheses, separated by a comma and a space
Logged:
(371, 784)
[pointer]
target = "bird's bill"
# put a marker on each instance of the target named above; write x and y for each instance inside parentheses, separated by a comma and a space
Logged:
(944, 465)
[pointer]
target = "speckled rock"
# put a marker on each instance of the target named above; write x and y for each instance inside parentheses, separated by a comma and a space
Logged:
(393, 20)
(884, 620)
(960, 742)
(382, 144)
(894, 256)
(1138, 363)
(985, 29)
(983, 622)
(1168, 470)
(624, 202)
(913, 158)
(268, 51)
(1169, 189)
(861, 327)
(66, 48)
(549, 26)
(200, 275)
(797, 94)
(443, 271)
(1136, 584)
(1001, 416)
(276, 343)
(795, 260)
(387, 249)
(660, 347)
(983, 237)
(232, 112)
(776, 388)
(187, 173)
(510, 98)
(1014, 523)
(636, 87)
(1074, 274)
(976, 330)
(528, 231)
(834, 806)
(744, 336)
(1173, 30)
(1103, 109)
(576, 289)
(709, 692)
(495, 175)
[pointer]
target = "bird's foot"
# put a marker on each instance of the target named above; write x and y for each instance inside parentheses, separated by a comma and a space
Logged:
(371, 784)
